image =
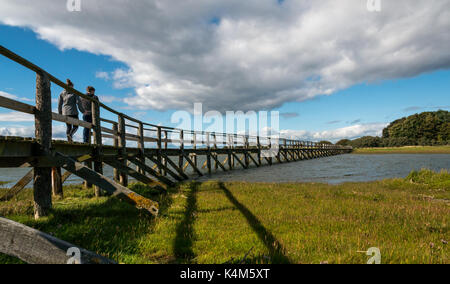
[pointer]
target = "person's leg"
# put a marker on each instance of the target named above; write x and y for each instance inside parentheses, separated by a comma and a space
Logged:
(87, 131)
(68, 132)
(74, 127)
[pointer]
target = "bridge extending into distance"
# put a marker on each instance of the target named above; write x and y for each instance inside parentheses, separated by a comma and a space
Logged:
(151, 162)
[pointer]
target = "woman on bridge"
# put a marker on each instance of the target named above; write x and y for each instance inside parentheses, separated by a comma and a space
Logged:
(67, 105)
(86, 109)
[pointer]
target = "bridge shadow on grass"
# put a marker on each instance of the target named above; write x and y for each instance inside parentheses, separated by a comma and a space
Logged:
(107, 226)
(275, 248)
(185, 230)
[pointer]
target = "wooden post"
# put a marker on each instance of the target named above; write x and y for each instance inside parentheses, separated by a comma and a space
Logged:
(246, 151)
(123, 177)
(258, 141)
(57, 187)
(165, 147)
(159, 145)
(270, 147)
(208, 154)
(42, 186)
(141, 147)
(116, 145)
(216, 166)
(180, 158)
(195, 148)
(230, 150)
(97, 133)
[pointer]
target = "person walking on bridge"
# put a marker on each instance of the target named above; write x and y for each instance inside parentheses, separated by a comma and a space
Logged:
(87, 112)
(67, 105)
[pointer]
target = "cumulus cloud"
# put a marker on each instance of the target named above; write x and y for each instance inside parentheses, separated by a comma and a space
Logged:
(248, 55)
(16, 117)
(349, 132)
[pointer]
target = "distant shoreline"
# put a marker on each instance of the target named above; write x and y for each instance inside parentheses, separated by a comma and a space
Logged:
(405, 150)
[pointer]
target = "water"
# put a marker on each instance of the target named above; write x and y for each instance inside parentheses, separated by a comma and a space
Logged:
(339, 169)
(333, 170)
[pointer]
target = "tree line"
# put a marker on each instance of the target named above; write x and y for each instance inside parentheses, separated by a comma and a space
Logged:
(423, 129)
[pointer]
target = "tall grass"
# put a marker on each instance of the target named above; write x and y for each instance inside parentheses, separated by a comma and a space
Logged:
(214, 222)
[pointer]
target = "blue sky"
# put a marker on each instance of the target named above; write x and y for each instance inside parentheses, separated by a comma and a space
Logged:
(368, 106)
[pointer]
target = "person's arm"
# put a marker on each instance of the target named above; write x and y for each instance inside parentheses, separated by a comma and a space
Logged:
(60, 103)
(80, 105)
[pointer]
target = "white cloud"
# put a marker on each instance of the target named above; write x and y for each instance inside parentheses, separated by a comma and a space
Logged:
(247, 55)
(14, 97)
(102, 75)
(349, 132)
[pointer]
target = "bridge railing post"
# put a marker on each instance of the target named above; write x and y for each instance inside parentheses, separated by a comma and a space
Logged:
(166, 137)
(42, 185)
(141, 146)
(258, 142)
(180, 158)
(123, 177)
(208, 154)
(216, 166)
(159, 146)
(194, 138)
(97, 133)
(116, 145)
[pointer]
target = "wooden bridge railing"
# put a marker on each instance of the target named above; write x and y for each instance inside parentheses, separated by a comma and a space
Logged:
(126, 128)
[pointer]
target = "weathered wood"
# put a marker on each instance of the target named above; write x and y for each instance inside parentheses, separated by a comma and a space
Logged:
(239, 160)
(193, 165)
(180, 157)
(152, 172)
(18, 187)
(123, 178)
(97, 133)
(70, 120)
(35, 247)
(165, 168)
(130, 172)
(218, 162)
(57, 188)
(16, 105)
(42, 186)
(159, 145)
(116, 173)
(173, 165)
(208, 154)
(106, 184)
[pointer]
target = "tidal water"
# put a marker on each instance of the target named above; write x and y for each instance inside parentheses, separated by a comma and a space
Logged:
(333, 170)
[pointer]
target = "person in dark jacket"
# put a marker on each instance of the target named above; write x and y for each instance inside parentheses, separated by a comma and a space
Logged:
(87, 112)
(68, 105)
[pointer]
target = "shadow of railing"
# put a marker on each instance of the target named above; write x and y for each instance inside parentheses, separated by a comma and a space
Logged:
(275, 248)
(185, 230)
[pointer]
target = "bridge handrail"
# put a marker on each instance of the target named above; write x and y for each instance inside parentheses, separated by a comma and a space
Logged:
(232, 138)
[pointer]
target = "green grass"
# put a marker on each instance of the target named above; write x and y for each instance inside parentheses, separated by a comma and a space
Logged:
(270, 223)
(405, 150)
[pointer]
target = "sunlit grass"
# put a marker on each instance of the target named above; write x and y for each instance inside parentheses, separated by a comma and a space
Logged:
(216, 222)
(405, 150)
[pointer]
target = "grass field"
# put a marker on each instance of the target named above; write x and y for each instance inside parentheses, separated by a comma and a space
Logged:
(212, 222)
(405, 150)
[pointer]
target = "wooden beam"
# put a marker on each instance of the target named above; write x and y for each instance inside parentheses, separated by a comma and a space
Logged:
(18, 187)
(166, 169)
(35, 247)
(172, 163)
(239, 160)
(218, 163)
(105, 183)
(192, 164)
(152, 172)
(253, 159)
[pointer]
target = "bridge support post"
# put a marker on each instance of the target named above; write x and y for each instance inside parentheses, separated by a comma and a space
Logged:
(57, 185)
(97, 133)
(208, 154)
(116, 145)
(141, 147)
(42, 186)
(166, 136)
(180, 158)
(123, 177)
(258, 142)
(159, 145)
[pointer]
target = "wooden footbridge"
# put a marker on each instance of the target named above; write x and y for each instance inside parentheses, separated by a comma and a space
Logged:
(147, 157)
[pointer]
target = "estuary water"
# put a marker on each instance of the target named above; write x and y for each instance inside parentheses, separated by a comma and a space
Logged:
(333, 170)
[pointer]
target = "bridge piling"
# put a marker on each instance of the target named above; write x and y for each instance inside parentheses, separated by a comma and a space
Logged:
(42, 185)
